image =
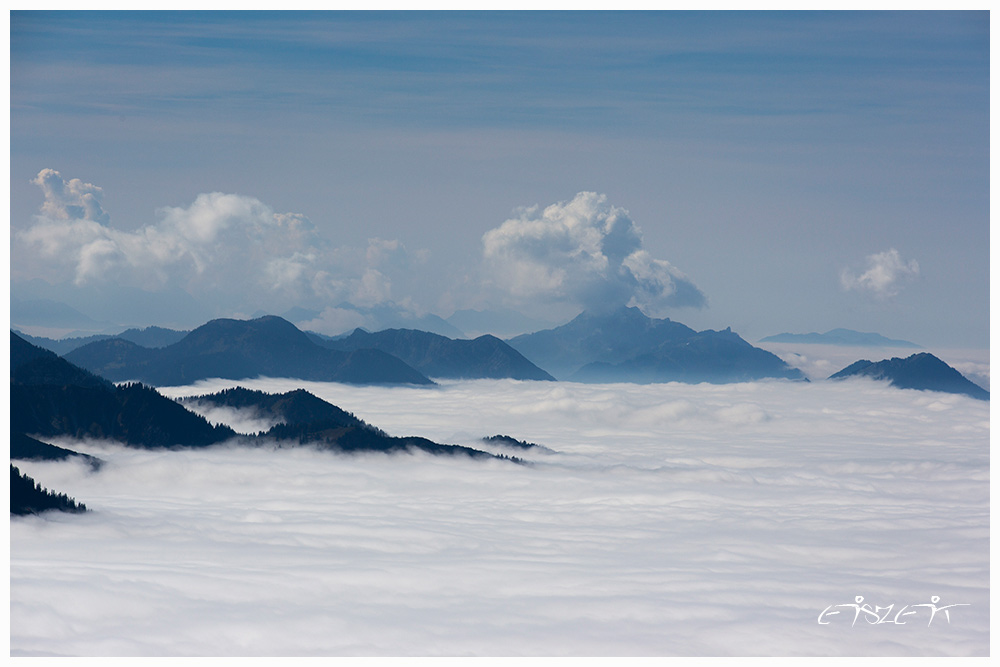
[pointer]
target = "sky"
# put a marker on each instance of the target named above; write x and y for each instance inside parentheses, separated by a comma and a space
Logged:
(668, 519)
(773, 172)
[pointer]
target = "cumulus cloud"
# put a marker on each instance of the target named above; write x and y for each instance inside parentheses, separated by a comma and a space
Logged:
(226, 248)
(886, 274)
(70, 200)
(586, 252)
(662, 520)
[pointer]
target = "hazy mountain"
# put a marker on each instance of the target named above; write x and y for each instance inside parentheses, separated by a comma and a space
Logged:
(707, 356)
(839, 337)
(438, 356)
(110, 307)
(919, 371)
(147, 337)
(627, 346)
(346, 317)
(237, 349)
(29, 497)
(50, 314)
(609, 338)
(502, 322)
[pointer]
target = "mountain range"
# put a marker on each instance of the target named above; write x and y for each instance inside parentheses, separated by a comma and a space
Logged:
(847, 337)
(918, 371)
(625, 345)
(236, 349)
(51, 397)
(146, 337)
(441, 357)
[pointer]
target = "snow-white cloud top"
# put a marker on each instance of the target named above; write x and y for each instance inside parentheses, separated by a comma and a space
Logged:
(885, 275)
(227, 248)
(586, 252)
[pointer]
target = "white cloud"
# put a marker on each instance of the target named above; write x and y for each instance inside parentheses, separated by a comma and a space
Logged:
(70, 200)
(225, 249)
(584, 252)
(669, 520)
(885, 275)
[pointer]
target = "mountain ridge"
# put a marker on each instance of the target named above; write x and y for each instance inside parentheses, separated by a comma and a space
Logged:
(439, 356)
(919, 371)
(625, 345)
(239, 349)
(840, 336)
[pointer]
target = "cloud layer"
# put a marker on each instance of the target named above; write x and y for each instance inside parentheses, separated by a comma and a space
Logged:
(585, 252)
(885, 277)
(666, 520)
(224, 248)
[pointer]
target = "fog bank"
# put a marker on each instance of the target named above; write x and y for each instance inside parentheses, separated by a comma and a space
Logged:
(660, 520)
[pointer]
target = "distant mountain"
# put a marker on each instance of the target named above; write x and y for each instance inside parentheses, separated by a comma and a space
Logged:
(608, 338)
(50, 313)
(501, 322)
(29, 497)
(62, 346)
(147, 337)
(919, 371)
(236, 349)
(627, 346)
(707, 356)
(346, 317)
(845, 337)
(438, 356)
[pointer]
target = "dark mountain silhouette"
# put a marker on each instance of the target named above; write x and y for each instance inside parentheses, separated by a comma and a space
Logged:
(23, 448)
(845, 337)
(50, 397)
(309, 420)
(292, 407)
(32, 365)
(65, 400)
(29, 497)
(438, 356)
(919, 371)
(237, 349)
(508, 441)
(627, 346)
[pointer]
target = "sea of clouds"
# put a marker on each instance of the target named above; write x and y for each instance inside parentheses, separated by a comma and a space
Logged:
(658, 520)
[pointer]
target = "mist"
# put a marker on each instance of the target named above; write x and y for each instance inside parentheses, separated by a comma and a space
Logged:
(657, 520)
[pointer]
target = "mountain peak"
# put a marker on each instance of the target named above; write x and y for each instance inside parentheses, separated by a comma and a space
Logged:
(918, 371)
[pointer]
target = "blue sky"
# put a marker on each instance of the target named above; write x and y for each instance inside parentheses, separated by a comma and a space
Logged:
(803, 171)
